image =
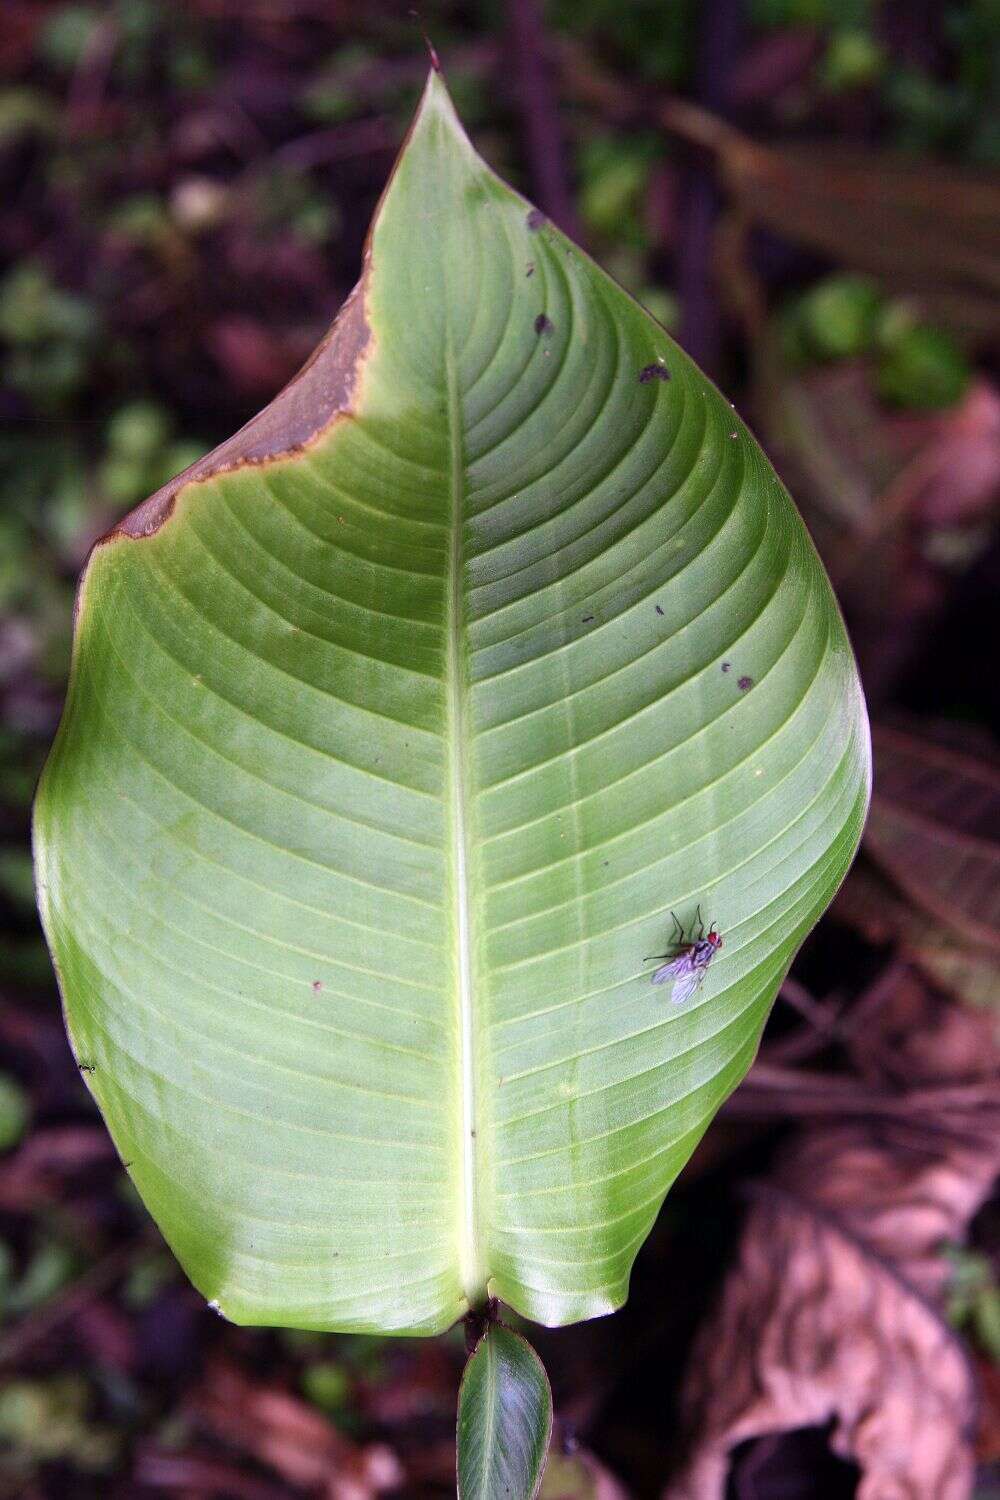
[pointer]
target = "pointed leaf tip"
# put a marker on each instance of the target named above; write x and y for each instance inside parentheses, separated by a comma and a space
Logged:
(436, 100)
(504, 1419)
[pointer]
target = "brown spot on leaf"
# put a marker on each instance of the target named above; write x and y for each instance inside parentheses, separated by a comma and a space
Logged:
(317, 985)
(744, 684)
(659, 611)
(654, 371)
(543, 324)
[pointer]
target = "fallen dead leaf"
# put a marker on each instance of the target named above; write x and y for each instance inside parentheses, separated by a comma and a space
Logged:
(922, 1038)
(967, 971)
(934, 828)
(814, 1330)
(292, 1438)
(867, 475)
(831, 1316)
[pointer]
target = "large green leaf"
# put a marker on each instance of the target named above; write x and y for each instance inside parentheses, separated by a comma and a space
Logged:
(396, 730)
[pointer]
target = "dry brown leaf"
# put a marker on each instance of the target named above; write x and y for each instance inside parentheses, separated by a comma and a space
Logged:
(934, 828)
(957, 473)
(920, 1038)
(196, 1477)
(292, 1438)
(901, 1204)
(867, 474)
(988, 1438)
(899, 504)
(925, 228)
(868, 902)
(831, 1315)
(813, 1329)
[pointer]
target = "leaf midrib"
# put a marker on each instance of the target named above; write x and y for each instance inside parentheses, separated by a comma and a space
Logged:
(471, 1271)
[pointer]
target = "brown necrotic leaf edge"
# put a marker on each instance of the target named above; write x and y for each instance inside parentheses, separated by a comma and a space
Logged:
(302, 412)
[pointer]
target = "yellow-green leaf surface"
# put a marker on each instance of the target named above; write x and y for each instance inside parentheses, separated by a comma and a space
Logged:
(397, 727)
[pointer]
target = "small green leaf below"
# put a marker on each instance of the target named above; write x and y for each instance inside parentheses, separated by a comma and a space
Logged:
(504, 1419)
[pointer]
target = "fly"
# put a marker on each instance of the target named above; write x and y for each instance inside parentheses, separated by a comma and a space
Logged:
(689, 959)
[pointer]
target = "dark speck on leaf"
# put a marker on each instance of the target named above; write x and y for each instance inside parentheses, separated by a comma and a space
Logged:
(536, 219)
(727, 666)
(530, 271)
(743, 683)
(659, 611)
(653, 372)
(87, 1067)
(317, 984)
(543, 324)
(586, 619)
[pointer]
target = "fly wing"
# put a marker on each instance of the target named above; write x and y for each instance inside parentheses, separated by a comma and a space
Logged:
(686, 984)
(674, 969)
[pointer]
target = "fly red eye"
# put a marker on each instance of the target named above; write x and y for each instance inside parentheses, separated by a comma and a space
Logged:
(715, 938)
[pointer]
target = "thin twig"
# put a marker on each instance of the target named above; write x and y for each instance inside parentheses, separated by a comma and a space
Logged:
(701, 321)
(815, 1012)
(540, 116)
(967, 1114)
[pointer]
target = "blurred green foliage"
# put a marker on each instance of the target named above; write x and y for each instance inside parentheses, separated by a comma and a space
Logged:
(330, 94)
(46, 1420)
(852, 59)
(771, 14)
(327, 1385)
(614, 173)
(923, 368)
(837, 316)
(23, 110)
(974, 1297)
(52, 1265)
(49, 333)
(141, 452)
(645, 37)
(147, 1276)
(14, 1112)
(847, 317)
(955, 111)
